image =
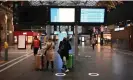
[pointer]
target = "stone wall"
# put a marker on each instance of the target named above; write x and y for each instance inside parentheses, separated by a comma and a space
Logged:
(6, 23)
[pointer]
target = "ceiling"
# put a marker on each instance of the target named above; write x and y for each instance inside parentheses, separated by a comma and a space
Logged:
(122, 15)
(108, 4)
(8, 4)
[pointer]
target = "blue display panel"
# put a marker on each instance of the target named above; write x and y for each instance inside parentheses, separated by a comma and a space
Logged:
(62, 14)
(92, 15)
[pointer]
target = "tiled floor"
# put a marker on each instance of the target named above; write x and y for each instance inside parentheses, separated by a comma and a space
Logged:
(109, 64)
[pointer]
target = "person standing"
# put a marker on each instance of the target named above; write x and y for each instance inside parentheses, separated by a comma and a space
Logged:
(36, 44)
(50, 53)
(54, 39)
(64, 48)
(45, 39)
(93, 41)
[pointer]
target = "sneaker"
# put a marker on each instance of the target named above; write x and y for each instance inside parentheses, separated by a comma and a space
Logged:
(67, 70)
(62, 69)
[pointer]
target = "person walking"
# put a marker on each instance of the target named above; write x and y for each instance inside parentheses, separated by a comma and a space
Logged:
(64, 48)
(50, 54)
(36, 44)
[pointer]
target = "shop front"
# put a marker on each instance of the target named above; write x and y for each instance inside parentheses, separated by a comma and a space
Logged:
(29, 36)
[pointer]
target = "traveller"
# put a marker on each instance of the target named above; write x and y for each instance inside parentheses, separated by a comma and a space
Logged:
(35, 45)
(93, 41)
(45, 40)
(54, 39)
(64, 48)
(50, 53)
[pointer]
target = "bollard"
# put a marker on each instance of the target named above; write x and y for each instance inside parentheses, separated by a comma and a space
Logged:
(6, 54)
(6, 51)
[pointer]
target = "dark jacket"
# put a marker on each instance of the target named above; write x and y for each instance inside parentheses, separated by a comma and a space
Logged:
(65, 50)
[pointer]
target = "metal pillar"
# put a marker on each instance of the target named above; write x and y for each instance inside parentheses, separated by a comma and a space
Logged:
(76, 41)
(6, 54)
(6, 32)
(48, 30)
(6, 40)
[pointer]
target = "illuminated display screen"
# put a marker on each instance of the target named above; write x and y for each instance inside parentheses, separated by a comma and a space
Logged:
(62, 15)
(92, 15)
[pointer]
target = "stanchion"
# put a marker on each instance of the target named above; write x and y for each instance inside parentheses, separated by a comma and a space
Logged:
(6, 54)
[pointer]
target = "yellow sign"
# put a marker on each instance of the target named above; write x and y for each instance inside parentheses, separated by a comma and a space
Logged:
(5, 45)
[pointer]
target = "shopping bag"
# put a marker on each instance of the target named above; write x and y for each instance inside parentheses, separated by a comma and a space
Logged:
(64, 60)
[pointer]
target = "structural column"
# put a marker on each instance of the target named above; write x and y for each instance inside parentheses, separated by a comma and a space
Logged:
(76, 41)
(101, 35)
(48, 30)
(10, 30)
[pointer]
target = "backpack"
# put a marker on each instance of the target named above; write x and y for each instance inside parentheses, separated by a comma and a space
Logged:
(36, 43)
(61, 48)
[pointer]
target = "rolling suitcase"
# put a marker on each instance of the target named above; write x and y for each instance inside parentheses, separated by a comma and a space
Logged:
(40, 62)
(70, 61)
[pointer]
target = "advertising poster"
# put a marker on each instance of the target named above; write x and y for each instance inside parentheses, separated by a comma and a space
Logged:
(21, 42)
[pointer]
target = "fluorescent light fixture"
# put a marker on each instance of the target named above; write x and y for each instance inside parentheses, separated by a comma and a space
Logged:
(116, 29)
(63, 32)
(24, 33)
(70, 32)
(83, 39)
(56, 32)
(128, 24)
(105, 26)
(121, 28)
(10, 32)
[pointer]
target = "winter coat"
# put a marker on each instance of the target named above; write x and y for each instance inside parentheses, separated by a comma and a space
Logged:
(50, 52)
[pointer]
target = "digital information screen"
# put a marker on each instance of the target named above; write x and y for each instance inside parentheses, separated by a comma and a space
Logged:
(92, 15)
(62, 14)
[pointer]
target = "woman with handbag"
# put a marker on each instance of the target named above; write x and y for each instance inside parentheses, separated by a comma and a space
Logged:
(50, 53)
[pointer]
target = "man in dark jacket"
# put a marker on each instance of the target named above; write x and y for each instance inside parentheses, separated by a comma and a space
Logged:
(35, 45)
(64, 46)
